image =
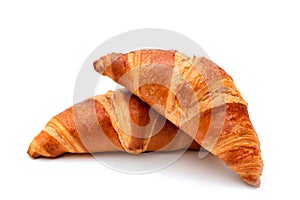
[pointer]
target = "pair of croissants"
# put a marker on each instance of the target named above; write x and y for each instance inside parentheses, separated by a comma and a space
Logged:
(196, 105)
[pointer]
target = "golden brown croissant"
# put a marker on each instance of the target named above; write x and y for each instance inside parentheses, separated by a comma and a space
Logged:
(116, 121)
(198, 97)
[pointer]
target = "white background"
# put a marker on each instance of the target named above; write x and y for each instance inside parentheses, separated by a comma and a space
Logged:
(42, 48)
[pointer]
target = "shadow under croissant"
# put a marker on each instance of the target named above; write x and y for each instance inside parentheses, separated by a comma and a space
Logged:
(209, 170)
(188, 167)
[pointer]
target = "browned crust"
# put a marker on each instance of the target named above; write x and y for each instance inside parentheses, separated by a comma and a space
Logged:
(238, 145)
(87, 128)
(139, 114)
(94, 127)
(45, 145)
(168, 137)
(79, 131)
(147, 57)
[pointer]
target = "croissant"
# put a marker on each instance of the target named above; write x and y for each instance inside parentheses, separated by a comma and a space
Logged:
(115, 121)
(197, 96)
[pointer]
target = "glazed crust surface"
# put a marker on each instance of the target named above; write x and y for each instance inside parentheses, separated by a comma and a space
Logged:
(197, 96)
(92, 126)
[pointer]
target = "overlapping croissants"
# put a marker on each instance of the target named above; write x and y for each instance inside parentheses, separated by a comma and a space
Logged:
(199, 100)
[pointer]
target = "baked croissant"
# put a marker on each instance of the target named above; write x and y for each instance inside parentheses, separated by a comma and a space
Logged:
(198, 97)
(116, 121)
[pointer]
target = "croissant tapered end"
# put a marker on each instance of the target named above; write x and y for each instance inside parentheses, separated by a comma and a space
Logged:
(255, 182)
(102, 64)
(44, 145)
(32, 152)
(249, 171)
(238, 146)
(253, 173)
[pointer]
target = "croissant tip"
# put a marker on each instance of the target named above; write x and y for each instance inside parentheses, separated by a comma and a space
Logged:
(96, 65)
(32, 153)
(253, 182)
(257, 183)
